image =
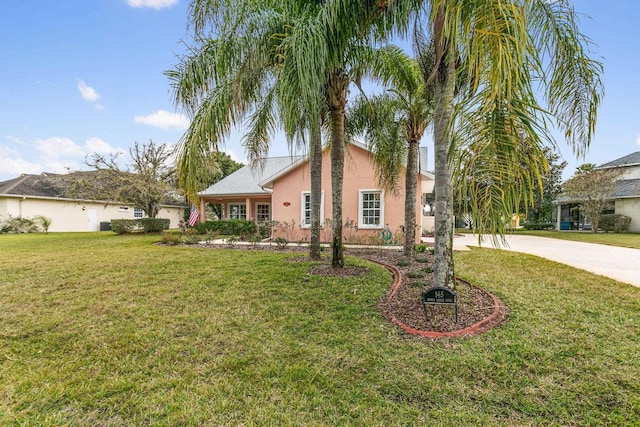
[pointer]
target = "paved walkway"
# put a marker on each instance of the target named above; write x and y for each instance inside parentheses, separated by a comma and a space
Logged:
(622, 264)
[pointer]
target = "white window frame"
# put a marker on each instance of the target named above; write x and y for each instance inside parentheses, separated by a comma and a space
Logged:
(303, 197)
(123, 209)
(138, 213)
(258, 205)
(240, 205)
(361, 223)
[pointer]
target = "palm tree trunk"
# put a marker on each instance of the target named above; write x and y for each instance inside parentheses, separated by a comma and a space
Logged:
(316, 192)
(337, 99)
(443, 273)
(411, 184)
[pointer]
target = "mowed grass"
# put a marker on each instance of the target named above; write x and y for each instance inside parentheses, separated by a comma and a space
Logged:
(98, 329)
(626, 240)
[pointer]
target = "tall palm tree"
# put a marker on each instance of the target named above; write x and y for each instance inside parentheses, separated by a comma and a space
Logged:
(309, 61)
(394, 123)
(253, 69)
(526, 65)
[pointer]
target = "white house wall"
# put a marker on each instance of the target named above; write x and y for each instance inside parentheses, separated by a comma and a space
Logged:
(631, 172)
(68, 215)
(631, 208)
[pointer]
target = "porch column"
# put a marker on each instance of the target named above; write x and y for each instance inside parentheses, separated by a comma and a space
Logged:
(249, 210)
(201, 212)
(558, 219)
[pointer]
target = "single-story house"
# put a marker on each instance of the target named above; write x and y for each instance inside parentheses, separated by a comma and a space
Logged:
(625, 198)
(280, 192)
(31, 195)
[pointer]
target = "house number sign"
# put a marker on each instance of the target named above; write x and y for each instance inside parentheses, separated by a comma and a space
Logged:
(439, 295)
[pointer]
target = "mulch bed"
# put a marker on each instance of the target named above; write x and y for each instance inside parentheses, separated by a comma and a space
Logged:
(475, 305)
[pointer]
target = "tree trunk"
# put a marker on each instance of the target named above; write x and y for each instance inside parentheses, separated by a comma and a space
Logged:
(443, 273)
(315, 162)
(337, 99)
(411, 184)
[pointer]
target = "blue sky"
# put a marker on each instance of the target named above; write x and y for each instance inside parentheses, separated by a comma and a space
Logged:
(85, 76)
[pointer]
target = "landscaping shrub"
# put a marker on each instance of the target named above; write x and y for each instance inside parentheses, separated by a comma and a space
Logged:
(19, 225)
(122, 226)
(171, 239)
(153, 225)
(231, 227)
(614, 222)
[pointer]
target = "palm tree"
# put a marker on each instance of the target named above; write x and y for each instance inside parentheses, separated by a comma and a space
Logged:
(290, 54)
(394, 123)
(501, 48)
(252, 70)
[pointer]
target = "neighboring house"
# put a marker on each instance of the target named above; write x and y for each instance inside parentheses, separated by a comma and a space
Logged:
(626, 196)
(30, 195)
(280, 192)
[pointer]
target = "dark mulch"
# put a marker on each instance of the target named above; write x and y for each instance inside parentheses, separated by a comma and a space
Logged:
(474, 304)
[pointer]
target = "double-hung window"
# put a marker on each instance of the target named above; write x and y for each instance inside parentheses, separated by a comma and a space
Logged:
(237, 211)
(138, 213)
(305, 209)
(263, 213)
(371, 209)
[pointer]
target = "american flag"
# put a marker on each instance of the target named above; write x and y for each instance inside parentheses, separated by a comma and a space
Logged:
(194, 215)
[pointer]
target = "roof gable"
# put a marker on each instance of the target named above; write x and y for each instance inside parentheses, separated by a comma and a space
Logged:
(43, 185)
(626, 188)
(632, 159)
(247, 180)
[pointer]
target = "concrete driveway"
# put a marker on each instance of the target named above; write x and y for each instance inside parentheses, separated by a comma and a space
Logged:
(622, 264)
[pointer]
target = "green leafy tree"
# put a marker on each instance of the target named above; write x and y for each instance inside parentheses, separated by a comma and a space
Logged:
(547, 190)
(592, 189)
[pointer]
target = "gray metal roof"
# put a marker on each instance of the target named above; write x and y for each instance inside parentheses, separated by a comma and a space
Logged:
(627, 188)
(628, 160)
(246, 181)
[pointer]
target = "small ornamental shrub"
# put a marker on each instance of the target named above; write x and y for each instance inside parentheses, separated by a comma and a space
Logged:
(171, 239)
(254, 239)
(19, 225)
(420, 248)
(154, 225)
(230, 227)
(614, 222)
(281, 242)
(123, 226)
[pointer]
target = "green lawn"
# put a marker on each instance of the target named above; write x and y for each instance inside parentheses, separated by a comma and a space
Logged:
(99, 329)
(627, 240)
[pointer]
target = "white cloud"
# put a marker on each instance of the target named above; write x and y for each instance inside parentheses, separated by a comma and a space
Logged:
(64, 148)
(638, 140)
(96, 145)
(164, 120)
(12, 165)
(57, 148)
(155, 4)
(55, 154)
(87, 92)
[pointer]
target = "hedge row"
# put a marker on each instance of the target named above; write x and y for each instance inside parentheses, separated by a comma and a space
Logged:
(614, 222)
(231, 227)
(148, 225)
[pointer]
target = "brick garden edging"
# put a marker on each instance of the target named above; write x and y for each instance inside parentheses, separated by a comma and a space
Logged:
(494, 319)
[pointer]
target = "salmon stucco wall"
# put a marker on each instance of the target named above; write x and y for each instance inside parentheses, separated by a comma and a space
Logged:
(359, 175)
